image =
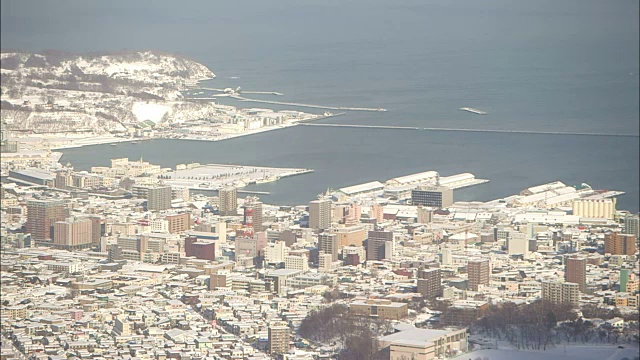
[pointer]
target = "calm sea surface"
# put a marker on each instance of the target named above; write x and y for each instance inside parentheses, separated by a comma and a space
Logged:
(568, 66)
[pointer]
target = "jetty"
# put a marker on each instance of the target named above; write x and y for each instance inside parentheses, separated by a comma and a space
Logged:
(470, 130)
(472, 110)
(240, 98)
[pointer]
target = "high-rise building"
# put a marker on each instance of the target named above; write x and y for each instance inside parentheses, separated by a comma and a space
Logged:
(631, 225)
(329, 244)
(228, 201)
(279, 339)
(253, 213)
(159, 198)
(619, 244)
(430, 283)
(376, 243)
(557, 292)
(97, 229)
(320, 214)
(575, 271)
(478, 271)
(73, 233)
(434, 196)
(41, 215)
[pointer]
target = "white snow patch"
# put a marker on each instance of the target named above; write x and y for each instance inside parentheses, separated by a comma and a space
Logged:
(149, 111)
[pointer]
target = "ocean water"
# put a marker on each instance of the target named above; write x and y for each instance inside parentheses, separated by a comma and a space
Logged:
(565, 66)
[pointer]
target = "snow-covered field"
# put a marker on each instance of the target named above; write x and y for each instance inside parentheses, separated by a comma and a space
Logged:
(571, 352)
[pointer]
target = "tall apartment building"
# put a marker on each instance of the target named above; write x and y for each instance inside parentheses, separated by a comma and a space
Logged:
(434, 196)
(329, 244)
(430, 283)
(178, 222)
(228, 201)
(376, 244)
(575, 271)
(253, 213)
(320, 214)
(41, 215)
(557, 292)
(620, 244)
(279, 339)
(159, 198)
(72, 233)
(478, 271)
(631, 225)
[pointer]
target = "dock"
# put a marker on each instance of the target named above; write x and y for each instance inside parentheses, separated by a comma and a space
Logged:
(472, 110)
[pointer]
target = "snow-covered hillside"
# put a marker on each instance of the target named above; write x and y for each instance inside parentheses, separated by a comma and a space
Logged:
(60, 92)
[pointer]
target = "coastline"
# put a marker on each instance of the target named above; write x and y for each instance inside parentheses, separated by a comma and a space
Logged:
(106, 139)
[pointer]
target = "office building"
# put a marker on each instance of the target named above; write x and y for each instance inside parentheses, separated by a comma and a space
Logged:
(279, 339)
(430, 283)
(376, 244)
(575, 271)
(619, 244)
(425, 215)
(294, 262)
(73, 233)
(478, 271)
(41, 215)
(329, 244)
(557, 292)
(434, 196)
(159, 198)
(228, 201)
(349, 235)
(320, 214)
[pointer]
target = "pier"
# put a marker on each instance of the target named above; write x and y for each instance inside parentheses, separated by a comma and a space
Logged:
(240, 98)
(469, 130)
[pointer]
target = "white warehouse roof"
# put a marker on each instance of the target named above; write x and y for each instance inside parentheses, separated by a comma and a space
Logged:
(413, 178)
(362, 188)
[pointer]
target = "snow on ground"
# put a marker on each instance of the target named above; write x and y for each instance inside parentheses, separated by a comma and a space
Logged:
(571, 352)
(149, 111)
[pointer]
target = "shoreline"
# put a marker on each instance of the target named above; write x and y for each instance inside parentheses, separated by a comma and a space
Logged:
(104, 140)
